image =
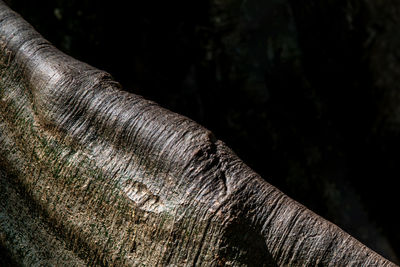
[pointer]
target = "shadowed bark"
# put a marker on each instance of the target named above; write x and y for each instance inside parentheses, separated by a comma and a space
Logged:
(93, 175)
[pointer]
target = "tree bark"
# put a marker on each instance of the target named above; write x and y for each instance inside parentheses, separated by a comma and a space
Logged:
(93, 175)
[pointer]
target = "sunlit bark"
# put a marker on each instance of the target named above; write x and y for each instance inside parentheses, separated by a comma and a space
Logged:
(93, 175)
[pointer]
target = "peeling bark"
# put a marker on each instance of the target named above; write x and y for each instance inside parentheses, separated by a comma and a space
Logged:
(93, 175)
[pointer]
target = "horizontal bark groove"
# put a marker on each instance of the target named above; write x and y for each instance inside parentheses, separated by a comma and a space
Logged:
(118, 180)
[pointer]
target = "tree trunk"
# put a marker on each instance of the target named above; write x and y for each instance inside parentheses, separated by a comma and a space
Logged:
(93, 175)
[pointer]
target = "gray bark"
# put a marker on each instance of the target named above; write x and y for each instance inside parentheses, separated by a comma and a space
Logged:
(93, 175)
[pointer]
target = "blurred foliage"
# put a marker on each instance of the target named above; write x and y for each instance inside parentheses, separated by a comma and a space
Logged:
(294, 87)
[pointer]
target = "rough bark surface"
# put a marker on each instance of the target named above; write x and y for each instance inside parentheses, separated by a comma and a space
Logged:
(93, 175)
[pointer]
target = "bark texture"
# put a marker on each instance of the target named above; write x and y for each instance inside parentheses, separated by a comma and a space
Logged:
(93, 175)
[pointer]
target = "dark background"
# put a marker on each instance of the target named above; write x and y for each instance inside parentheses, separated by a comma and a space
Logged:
(305, 92)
